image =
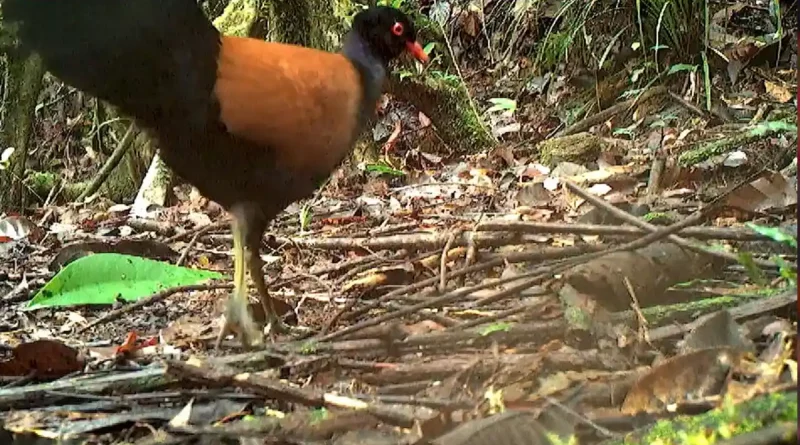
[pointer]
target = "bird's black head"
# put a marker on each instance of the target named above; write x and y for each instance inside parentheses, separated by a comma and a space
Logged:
(388, 32)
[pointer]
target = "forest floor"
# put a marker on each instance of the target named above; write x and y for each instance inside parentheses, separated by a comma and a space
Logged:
(627, 275)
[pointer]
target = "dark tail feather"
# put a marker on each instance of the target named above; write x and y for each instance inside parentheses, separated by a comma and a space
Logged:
(154, 59)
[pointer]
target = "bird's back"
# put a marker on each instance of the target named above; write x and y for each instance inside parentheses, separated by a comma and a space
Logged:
(239, 118)
(152, 58)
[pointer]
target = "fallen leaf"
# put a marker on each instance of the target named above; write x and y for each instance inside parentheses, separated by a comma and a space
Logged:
(43, 358)
(15, 228)
(778, 92)
(770, 191)
(685, 377)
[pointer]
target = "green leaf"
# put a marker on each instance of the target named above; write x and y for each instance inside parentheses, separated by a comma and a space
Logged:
(306, 213)
(502, 104)
(706, 80)
(787, 270)
(383, 169)
(764, 128)
(429, 47)
(681, 67)
(774, 233)
(496, 327)
(751, 269)
(318, 415)
(629, 131)
(630, 93)
(102, 277)
(404, 74)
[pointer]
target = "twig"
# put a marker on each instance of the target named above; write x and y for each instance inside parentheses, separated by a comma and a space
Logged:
(640, 318)
(426, 241)
(696, 110)
(148, 225)
(199, 230)
(347, 264)
(626, 217)
(113, 315)
(219, 374)
(443, 262)
(633, 245)
(604, 115)
(188, 248)
(545, 254)
(525, 281)
(497, 316)
(112, 162)
(715, 233)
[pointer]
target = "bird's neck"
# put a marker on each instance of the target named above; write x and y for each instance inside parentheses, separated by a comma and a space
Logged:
(370, 66)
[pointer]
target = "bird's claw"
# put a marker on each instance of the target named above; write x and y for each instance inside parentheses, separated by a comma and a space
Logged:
(241, 325)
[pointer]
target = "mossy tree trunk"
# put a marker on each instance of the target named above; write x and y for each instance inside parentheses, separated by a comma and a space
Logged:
(313, 23)
(124, 180)
(447, 104)
(23, 81)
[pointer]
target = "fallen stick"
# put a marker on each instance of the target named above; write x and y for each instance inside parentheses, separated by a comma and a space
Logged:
(159, 296)
(625, 216)
(705, 233)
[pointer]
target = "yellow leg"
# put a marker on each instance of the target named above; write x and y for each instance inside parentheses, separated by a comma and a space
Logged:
(237, 317)
(255, 264)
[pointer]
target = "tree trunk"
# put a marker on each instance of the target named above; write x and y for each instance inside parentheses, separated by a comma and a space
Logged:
(124, 181)
(313, 23)
(23, 81)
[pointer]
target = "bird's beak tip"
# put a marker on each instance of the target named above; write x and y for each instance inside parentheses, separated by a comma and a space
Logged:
(416, 50)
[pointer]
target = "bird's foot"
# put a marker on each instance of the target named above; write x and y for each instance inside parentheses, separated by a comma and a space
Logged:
(275, 327)
(239, 322)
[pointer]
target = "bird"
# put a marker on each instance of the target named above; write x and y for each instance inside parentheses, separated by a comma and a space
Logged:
(254, 125)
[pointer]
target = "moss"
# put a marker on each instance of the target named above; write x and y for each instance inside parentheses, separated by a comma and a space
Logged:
(659, 218)
(313, 23)
(42, 183)
(578, 148)
(749, 416)
(446, 103)
(656, 314)
(24, 77)
(735, 142)
(238, 17)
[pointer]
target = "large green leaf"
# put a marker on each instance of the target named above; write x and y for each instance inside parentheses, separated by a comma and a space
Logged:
(103, 277)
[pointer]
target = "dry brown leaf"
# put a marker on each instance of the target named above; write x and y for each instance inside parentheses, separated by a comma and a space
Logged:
(44, 359)
(770, 191)
(778, 92)
(685, 377)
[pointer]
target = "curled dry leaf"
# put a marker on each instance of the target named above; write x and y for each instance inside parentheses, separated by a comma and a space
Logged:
(45, 358)
(685, 377)
(15, 228)
(778, 92)
(390, 275)
(770, 191)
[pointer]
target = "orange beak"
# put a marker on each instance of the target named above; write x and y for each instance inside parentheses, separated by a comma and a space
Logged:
(416, 50)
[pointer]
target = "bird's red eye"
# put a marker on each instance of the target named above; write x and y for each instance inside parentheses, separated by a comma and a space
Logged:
(398, 29)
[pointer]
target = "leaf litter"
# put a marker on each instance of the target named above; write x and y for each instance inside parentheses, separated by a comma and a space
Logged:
(439, 299)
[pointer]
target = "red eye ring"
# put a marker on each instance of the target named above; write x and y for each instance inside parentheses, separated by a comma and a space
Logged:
(398, 29)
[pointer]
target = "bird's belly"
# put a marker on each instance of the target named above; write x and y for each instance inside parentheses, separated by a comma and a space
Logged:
(231, 174)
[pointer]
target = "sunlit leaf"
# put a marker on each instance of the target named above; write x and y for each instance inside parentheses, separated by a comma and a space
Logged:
(102, 278)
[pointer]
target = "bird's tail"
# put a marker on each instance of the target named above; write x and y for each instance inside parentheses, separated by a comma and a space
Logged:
(150, 58)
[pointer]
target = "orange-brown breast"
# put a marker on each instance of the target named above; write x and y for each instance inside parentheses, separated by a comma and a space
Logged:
(301, 102)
